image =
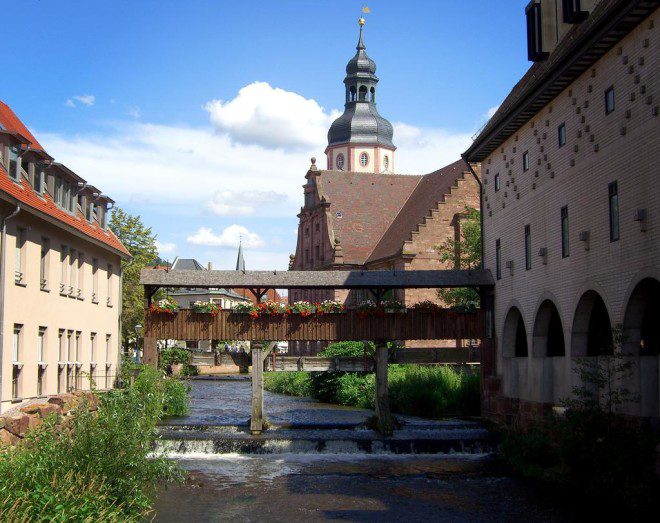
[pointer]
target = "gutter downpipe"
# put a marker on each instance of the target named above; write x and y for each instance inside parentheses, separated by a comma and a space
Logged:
(3, 269)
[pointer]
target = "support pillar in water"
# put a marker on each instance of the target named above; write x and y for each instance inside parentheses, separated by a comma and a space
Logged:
(257, 418)
(385, 422)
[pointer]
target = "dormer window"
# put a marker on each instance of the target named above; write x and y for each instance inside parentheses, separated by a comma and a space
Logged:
(38, 178)
(572, 14)
(534, 34)
(14, 163)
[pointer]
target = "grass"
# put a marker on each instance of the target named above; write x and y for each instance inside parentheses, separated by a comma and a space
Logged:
(426, 391)
(97, 466)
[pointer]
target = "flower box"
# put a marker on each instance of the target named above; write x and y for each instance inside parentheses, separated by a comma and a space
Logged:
(164, 306)
(208, 307)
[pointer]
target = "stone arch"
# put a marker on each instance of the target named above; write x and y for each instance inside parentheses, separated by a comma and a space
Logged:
(373, 94)
(641, 327)
(362, 93)
(352, 94)
(514, 335)
(548, 334)
(591, 333)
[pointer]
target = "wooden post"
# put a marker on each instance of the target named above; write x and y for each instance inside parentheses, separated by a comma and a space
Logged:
(149, 351)
(257, 419)
(385, 423)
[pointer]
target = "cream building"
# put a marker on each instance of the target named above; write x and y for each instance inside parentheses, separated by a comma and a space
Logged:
(60, 275)
(571, 205)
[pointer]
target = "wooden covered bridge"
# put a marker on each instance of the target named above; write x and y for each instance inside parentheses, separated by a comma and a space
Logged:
(264, 331)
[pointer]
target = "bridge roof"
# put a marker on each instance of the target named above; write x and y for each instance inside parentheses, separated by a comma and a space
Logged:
(318, 279)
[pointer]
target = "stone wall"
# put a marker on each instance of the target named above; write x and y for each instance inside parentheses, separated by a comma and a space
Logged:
(14, 425)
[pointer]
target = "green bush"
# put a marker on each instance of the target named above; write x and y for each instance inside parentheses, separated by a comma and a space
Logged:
(347, 349)
(99, 466)
(432, 392)
(172, 356)
(609, 460)
(177, 398)
(290, 383)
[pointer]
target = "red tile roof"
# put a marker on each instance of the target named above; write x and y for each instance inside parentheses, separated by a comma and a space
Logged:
(24, 193)
(431, 190)
(11, 122)
(367, 203)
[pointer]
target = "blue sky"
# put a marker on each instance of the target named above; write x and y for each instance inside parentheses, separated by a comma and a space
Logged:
(201, 116)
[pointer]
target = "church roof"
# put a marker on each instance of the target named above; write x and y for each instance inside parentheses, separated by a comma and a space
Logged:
(374, 214)
(431, 190)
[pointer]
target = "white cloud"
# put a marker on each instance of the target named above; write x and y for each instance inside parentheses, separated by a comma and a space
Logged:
(165, 247)
(134, 112)
(229, 237)
(242, 203)
(491, 112)
(271, 117)
(85, 99)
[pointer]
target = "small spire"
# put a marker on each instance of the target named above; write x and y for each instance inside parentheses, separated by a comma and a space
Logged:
(240, 261)
(360, 45)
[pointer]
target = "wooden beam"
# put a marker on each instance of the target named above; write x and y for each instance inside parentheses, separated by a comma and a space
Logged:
(257, 418)
(150, 351)
(385, 422)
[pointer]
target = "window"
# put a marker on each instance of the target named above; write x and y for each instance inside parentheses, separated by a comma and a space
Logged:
(69, 346)
(40, 344)
(528, 247)
(497, 182)
(109, 282)
(340, 162)
(81, 274)
(78, 334)
(41, 370)
(534, 35)
(43, 264)
(364, 159)
(92, 347)
(64, 269)
(561, 135)
(525, 161)
(306, 255)
(564, 233)
(317, 252)
(14, 163)
(59, 191)
(498, 259)
(386, 162)
(95, 280)
(38, 178)
(317, 227)
(108, 343)
(19, 267)
(16, 352)
(73, 278)
(572, 14)
(309, 199)
(613, 190)
(91, 212)
(60, 345)
(609, 100)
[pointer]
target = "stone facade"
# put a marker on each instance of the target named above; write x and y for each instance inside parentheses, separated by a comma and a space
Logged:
(571, 225)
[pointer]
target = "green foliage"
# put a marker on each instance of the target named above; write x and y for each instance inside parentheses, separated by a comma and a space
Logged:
(289, 383)
(98, 467)
(608, 460)
(141, 244)
(464, 253)
(432, 392)
(348, 349)
(177, 398)
(172, 356)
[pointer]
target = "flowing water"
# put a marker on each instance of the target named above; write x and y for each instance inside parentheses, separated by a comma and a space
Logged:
(319, 462)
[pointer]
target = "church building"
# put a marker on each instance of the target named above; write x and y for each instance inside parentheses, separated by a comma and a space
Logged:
(360, 213)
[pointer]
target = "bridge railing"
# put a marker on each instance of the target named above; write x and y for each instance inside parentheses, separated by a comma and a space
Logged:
(350, 325)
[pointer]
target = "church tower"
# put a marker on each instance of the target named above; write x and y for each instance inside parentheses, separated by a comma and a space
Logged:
(360, 140)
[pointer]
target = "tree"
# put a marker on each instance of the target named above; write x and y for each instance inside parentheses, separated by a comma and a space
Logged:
(463, 253)
(141, 243)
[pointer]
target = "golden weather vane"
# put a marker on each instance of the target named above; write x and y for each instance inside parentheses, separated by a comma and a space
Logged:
(365, 10)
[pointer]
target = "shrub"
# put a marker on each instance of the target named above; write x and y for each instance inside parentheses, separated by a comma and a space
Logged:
(609, 460)
(172, 356)
(347, 349)
(290, 383)
(176, 400)
(99, 466)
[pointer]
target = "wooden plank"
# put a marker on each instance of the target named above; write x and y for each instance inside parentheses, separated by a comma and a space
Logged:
(385, 422)
(257, 418)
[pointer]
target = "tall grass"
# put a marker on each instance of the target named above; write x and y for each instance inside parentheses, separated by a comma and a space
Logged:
(431, 392)
(97, 466)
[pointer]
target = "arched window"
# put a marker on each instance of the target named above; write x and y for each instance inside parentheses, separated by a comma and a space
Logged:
(373, 94)
(340, 162)
(364, 159)
(363, 93)
(386, 163)
(352, 94)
